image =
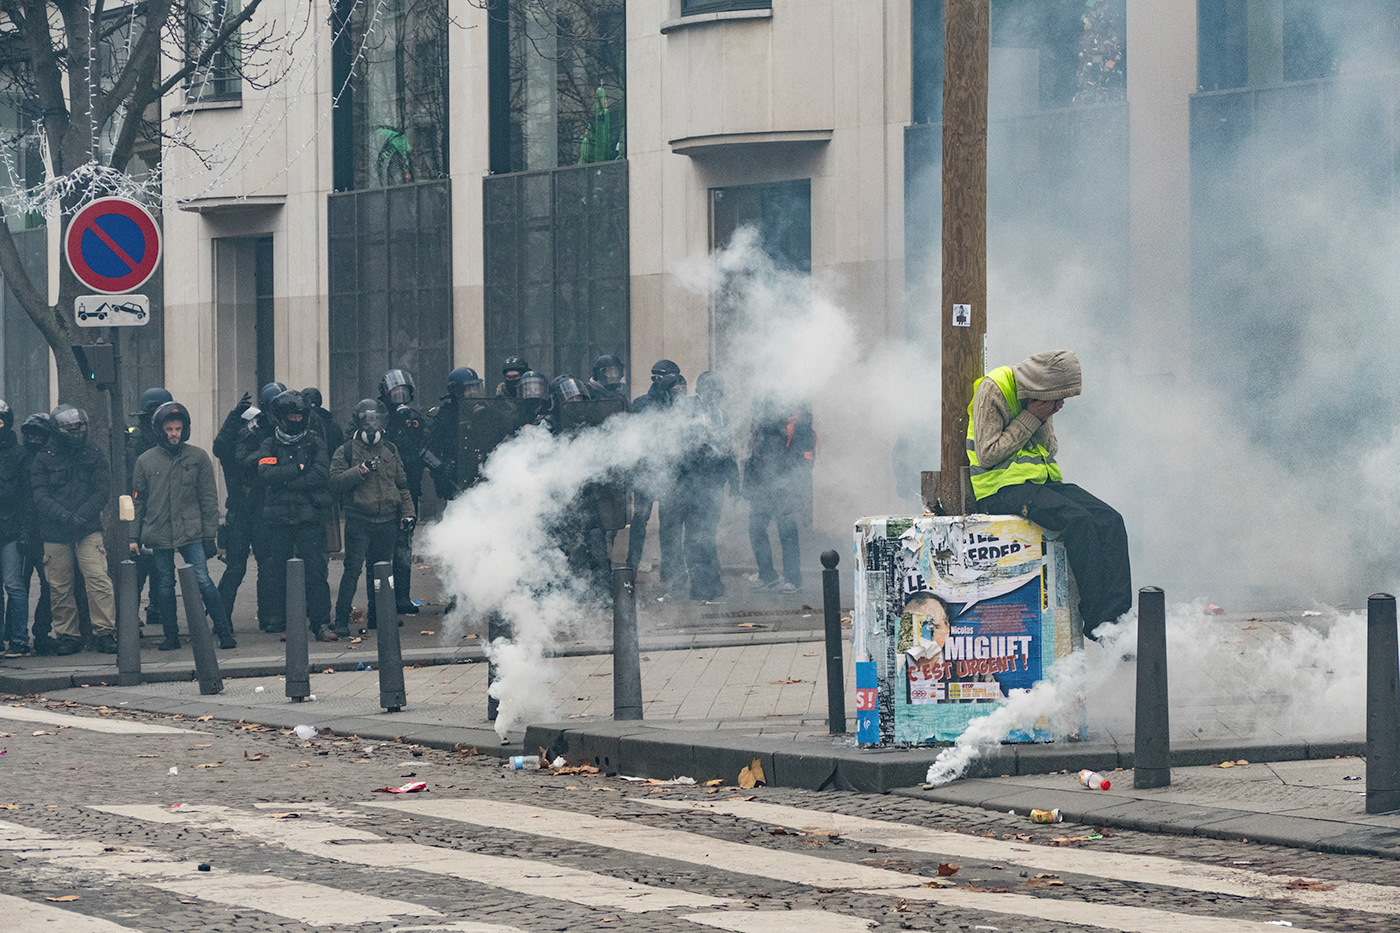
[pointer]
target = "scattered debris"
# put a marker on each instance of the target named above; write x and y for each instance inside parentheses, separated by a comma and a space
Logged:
(1213, 610)
(1046, 816)
(259, 689)
(789, 680)
(213, 764)
(524, 763)
(173, 770)
(752, 776)
(653, 782)
(411, 787)
(204, 866)
(1233, 764)
(1302, 884)
(66, 897)
(286, 816)
(1093, 780)
(305, 732)
(947, 871)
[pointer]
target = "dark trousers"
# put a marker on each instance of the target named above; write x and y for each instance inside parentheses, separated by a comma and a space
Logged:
(670, 521)
(238, 542)
(1095, 541)
(163, 586)
(307, 541)
(763, 512)
(270, 596)
(701, 551)
(365, 543)
(146, 571)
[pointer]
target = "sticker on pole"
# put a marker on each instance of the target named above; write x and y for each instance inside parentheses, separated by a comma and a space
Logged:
(962, 315)
(112, 310)
(113, 245)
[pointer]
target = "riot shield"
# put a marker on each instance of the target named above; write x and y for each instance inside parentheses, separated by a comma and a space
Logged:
(610, 498)
(482, 424)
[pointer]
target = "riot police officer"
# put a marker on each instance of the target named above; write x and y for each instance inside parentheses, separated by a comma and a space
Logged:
(608, 380)
(512, 371)
(322, 421)
(443, 422)
(667, 387)
(407, 429)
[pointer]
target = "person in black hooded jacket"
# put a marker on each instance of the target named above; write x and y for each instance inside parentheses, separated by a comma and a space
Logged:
(294, 471)
(70, 485)
(14, 521)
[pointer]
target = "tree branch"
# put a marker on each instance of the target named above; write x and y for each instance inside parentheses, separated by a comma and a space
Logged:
(17, 278)
(139, 69)
(207, 55)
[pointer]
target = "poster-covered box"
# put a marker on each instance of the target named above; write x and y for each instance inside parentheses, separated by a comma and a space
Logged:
(951, 614)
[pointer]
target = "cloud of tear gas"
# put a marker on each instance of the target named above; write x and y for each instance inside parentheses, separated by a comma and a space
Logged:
(1226, 678)
(498, 544)
(1236, 402)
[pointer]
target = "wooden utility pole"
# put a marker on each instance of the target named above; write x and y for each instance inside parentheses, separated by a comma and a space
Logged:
(964, 304)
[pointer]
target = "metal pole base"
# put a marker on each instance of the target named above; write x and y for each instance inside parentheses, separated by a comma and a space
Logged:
(835, 656)
(627, 662)
(128, 626)
(391, 689)
(1152, 751)
(298, 668)
(206, 665)
(1382, 706)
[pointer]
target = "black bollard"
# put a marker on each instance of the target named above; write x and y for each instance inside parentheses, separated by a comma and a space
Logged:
(496, 627)
(128, 626)
(1382, 706)
(298, 658)
(391, 690)
(1152, 746)
(206, 665)
(835, 657)
(627, 662)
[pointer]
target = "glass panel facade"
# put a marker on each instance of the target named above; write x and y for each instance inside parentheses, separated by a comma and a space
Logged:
(220, 78)
(390, 288)
(567, 80)
(692, 7)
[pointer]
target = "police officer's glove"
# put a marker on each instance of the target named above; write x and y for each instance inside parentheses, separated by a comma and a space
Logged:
(211, 548)
(407, 522)
(244, 403)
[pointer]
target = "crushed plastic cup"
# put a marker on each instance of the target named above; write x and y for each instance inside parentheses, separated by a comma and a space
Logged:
(558, 762)
(259, 689)
(1093, 780)
(173, 770)
(1046, 816)
(305, 732)
(312, 698)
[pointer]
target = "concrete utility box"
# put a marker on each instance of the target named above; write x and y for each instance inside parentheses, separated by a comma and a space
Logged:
(951, 614)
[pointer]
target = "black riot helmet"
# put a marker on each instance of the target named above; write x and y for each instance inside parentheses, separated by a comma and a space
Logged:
(709, 386)
(567, 389)
(369, 419)
(312, 395)
(396, 388)
(268, 393)
(463, 382)
(171, 411)
(663, 368)
(514, 364)
(35, 431)
(70, 426)
(289, 414)
(607, 371)
(533, 385)
(7, 416)
(153, 398)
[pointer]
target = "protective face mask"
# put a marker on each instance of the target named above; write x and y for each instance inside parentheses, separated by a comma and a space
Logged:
(371, 437)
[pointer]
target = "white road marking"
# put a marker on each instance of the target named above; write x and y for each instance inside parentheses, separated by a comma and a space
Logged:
(1103, 916)
(1138, 869)
(22, 916)
(91, 723)
(783, 921)
(530, 877)
(314, 904)
(696, 849)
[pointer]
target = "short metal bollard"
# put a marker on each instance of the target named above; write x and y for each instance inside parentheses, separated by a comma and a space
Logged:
(128, 626)
(496, 627)
(835, 645)
(206, 665)
(298, 654)
(627, 662)
(1382, 706)
(391, 690)
(1152, 748)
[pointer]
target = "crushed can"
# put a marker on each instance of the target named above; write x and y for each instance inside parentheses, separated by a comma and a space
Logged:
(1046, 816)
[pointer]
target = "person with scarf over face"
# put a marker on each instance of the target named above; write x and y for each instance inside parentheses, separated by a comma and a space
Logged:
(1011, 446)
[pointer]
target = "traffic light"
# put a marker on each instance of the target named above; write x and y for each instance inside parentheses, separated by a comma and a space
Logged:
(98, 363)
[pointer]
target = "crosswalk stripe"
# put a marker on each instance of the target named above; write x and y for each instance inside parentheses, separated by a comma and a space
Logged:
(796, 868)
(524, 876)
(90, 723)
(775, 921)
(22, 916)
(1139, 869)
(314, 904)
(1095, 914)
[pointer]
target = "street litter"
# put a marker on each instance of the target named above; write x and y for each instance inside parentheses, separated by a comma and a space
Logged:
(412, 787)
(653, 782)
(1232, 764)
(312, 698)
(173, 771)
(204, 866)
(947, 870)
(752, 776)
(1046, 816)
(66, 897)
(362, 666)
(1278, 923)
(1213, 610)
(1352, 777)
(524, 762)
(259, 689)
(1093, 780)
(305, 732)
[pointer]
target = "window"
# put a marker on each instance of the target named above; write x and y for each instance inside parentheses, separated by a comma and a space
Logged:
(218, 78)
(692, 7)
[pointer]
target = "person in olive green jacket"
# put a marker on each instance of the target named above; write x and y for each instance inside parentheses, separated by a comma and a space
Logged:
(368, 475)
(177, 509)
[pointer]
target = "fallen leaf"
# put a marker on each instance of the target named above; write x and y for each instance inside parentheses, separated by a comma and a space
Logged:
(66, 897)
(715, 783)
(947, 870)
(752, 776)
(42, 732)
(741, 799)
(258, 757)
(427, 632)
(204, 718)
(779, 831)
(147, 756)
(213, 764)
(356, 640)
(789, 680)
(1302, 884)
(206, 745)
(329, 670)
(9, 806)
(1046, 874)
(286, 816)
(901, 905)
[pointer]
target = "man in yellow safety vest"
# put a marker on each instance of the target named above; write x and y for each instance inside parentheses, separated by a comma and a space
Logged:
(1011, 447)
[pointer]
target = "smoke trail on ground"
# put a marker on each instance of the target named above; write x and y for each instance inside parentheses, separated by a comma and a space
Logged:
(1236, 678)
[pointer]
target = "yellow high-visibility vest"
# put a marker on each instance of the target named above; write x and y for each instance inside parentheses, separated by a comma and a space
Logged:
(1031, 464)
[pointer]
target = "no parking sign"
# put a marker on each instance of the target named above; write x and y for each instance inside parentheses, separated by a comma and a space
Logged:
(113, 245)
